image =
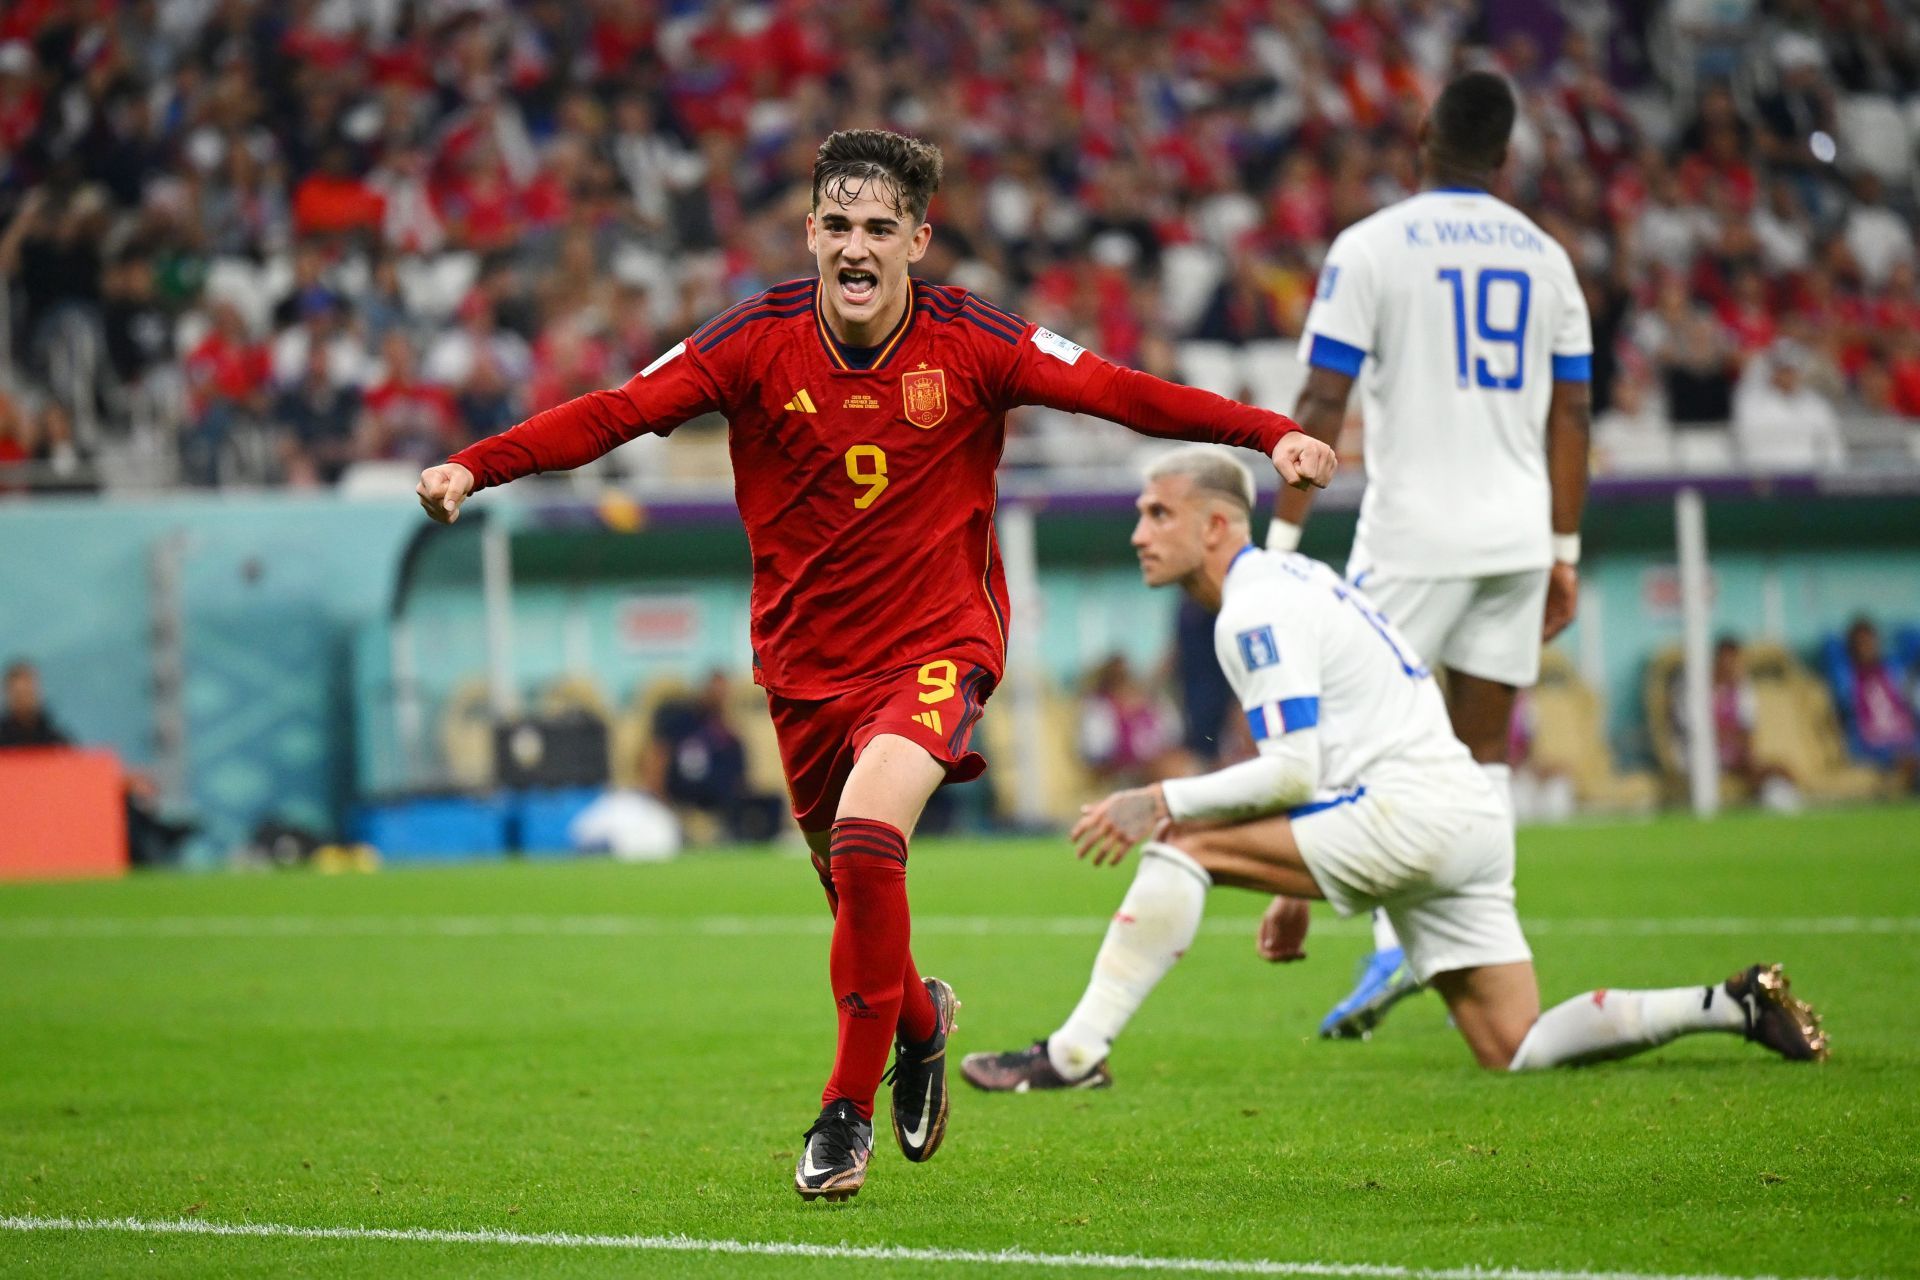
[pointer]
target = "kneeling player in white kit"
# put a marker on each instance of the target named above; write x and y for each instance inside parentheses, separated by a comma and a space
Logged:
(1360, 795)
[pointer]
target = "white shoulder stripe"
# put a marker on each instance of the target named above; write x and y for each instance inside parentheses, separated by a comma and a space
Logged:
(676, 349)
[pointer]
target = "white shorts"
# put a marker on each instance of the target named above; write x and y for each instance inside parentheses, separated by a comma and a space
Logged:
(1487, 627)
(1442, 868)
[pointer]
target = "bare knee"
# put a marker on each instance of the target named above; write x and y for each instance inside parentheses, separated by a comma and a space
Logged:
(1494, 1045)
(1493, 1007)
(1495, 1054)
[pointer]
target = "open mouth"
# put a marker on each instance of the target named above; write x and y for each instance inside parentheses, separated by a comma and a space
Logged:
(858, 286)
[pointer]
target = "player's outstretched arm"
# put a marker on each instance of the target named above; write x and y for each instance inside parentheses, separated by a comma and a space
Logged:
(1321, 411)
(1569, 429)
(1050, 370)
(665, 394)
(442, 489)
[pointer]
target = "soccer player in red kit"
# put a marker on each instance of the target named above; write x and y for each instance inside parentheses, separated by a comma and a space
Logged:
(866, 415)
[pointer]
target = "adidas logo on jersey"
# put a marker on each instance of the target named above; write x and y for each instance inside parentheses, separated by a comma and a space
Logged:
(801, 403)
(932, 720)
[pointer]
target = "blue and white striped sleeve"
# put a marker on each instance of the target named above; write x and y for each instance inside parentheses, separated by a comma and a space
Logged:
(1271, 657)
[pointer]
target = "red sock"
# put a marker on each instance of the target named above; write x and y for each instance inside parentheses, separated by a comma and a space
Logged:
(821, 868)
(869, 956)
(916, 1006)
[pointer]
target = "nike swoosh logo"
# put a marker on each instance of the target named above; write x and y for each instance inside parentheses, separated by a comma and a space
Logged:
(806, 1165)
(918, 1134)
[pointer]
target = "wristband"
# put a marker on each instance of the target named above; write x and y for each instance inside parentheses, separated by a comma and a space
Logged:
(1282, 535)
(1566, 548)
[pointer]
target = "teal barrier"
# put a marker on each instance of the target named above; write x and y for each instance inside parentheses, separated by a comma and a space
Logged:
(288, 636)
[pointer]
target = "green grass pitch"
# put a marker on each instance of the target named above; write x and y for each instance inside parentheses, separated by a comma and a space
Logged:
(582, 1047)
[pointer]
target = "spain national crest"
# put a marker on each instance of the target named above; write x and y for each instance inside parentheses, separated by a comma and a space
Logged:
(924, 393)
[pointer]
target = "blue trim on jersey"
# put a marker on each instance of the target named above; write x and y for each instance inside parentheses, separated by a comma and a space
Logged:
(1460, 191)
(1290, 714)
(1331, 353)
(1573, 368)
(1299, 713)
(1236, 556)
(1321, 806)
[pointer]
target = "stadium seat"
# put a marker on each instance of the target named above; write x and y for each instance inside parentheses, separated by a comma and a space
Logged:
(1212, 366)
(755, 725)
(1275, 374)
(1633, 451)
(1188, 275)
(379, 480)
(572, 695)
(1669, 751)
(1068, 784)
(1570, 738)
(466, 734)
(1796, 731)
(1707, 449)
(433, 285)
(694, 454)
(1874, 135)
(249, 286)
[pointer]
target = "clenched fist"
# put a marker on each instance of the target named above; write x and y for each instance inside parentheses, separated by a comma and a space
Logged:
(442, 489)
(1304, 462)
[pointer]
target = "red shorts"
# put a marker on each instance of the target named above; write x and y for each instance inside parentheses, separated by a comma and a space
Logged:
(936, 705)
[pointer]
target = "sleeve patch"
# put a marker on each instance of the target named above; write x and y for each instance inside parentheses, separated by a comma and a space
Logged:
(1329, 281)
(676, 349)
(1056, 346)
(1257, 648)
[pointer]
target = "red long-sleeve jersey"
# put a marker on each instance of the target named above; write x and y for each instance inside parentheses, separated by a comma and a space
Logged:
(865, 477)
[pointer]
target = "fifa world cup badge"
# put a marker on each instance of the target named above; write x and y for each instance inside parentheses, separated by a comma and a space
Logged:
(924, 393)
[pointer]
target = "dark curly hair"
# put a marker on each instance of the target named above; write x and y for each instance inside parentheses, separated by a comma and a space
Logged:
(906, 170)
(1473, 119)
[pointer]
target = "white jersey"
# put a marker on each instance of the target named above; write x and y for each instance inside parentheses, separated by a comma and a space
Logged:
(1302, 649)
(1464, 313)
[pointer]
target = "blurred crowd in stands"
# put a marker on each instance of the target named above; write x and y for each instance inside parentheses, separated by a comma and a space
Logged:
(291, 242)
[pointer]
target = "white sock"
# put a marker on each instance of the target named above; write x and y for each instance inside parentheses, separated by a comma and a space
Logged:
(1153, 928)
(1501, 776)
(1384, 938)
(1617, 1024)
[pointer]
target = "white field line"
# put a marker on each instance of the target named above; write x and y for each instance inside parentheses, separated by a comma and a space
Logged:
(836, 1252)
(732, 926)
